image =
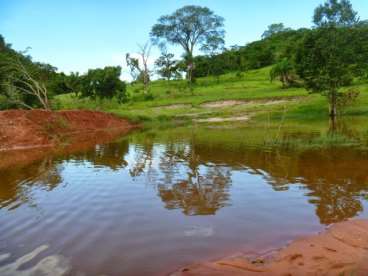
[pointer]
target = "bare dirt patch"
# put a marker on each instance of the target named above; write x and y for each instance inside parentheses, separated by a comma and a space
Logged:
(228, 103)
(220, 119)
(24, 129)
(174, 106)
(220, 104)
(340, 250)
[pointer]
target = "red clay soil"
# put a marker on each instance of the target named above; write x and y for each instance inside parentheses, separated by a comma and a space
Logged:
(23, 129)
(341, 250)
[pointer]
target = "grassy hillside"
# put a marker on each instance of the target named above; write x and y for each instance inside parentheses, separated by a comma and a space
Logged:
(231, 97)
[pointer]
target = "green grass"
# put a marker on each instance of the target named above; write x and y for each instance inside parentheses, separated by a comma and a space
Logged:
(174, 103)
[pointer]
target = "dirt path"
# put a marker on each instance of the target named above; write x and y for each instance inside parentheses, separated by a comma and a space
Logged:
(341, 250)
(220, 119)
(229, 103)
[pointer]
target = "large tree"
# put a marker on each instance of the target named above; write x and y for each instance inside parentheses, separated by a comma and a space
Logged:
(335, 12)
(190, 27)
(326, 57)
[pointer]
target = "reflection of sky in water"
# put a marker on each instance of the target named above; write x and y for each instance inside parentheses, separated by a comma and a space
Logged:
(55, 265)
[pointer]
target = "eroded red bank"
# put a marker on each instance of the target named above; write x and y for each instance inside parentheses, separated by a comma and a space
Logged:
(34, 133)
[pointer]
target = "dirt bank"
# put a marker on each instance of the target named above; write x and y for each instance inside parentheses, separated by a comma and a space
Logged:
(24, 129)
(341, 250)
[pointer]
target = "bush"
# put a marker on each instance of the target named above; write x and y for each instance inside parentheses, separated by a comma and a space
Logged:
(149, 97)
(346, 99)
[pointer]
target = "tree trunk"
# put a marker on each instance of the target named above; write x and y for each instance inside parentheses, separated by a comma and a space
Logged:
(332, 125)
(145, 83)
(190, 66)
(333, 105)
(190, 72)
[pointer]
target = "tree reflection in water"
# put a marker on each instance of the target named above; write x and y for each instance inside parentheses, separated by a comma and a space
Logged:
(200, 194)
(335, 180)
(18, 182)
(180, 182)
(195, 174)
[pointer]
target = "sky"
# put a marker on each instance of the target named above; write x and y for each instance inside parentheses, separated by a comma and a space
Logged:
(76, 35)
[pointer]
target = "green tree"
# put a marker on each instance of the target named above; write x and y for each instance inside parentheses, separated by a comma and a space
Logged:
(284, 71)
(73, 82)
(103, 83)
(189, 27)
(326, 57)
(19, 86)
(335, 12)
(167, 66)
(274, 29)
(324, 61)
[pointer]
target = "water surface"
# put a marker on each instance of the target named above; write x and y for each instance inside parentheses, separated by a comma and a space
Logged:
(156, 200)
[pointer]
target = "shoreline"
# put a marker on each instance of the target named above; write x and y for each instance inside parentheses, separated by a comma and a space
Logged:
(341, 249)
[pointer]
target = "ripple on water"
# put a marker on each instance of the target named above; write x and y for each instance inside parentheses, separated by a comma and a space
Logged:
(53, 265)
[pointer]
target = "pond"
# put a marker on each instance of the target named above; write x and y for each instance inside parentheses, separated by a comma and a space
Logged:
(156, 200)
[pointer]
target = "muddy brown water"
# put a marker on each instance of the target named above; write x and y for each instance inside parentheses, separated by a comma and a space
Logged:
(154, 201)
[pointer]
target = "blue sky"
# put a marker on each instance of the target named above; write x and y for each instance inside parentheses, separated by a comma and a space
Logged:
(75, 35)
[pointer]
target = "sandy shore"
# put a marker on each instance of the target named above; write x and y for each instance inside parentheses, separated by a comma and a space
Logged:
(340, 250)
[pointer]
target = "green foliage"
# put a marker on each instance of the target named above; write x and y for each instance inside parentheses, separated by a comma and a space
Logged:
(254, 55)
(284, 71)
(335, 12)
(16, 94)
(168, 67)
(347, 98)
(274, 29)
(21, 86)
(190, 27)
(121, 93)
(260, 99)
(329, 56)
(103, 84)
(325, 58)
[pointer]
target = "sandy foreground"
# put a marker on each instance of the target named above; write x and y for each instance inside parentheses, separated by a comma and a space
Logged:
(340, 250)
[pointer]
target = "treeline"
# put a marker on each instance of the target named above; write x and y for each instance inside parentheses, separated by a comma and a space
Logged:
(273, 49)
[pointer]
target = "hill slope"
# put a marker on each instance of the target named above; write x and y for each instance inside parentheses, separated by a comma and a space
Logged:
(250, 94)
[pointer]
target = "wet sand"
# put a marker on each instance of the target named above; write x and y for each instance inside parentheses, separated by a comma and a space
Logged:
(340, 250)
